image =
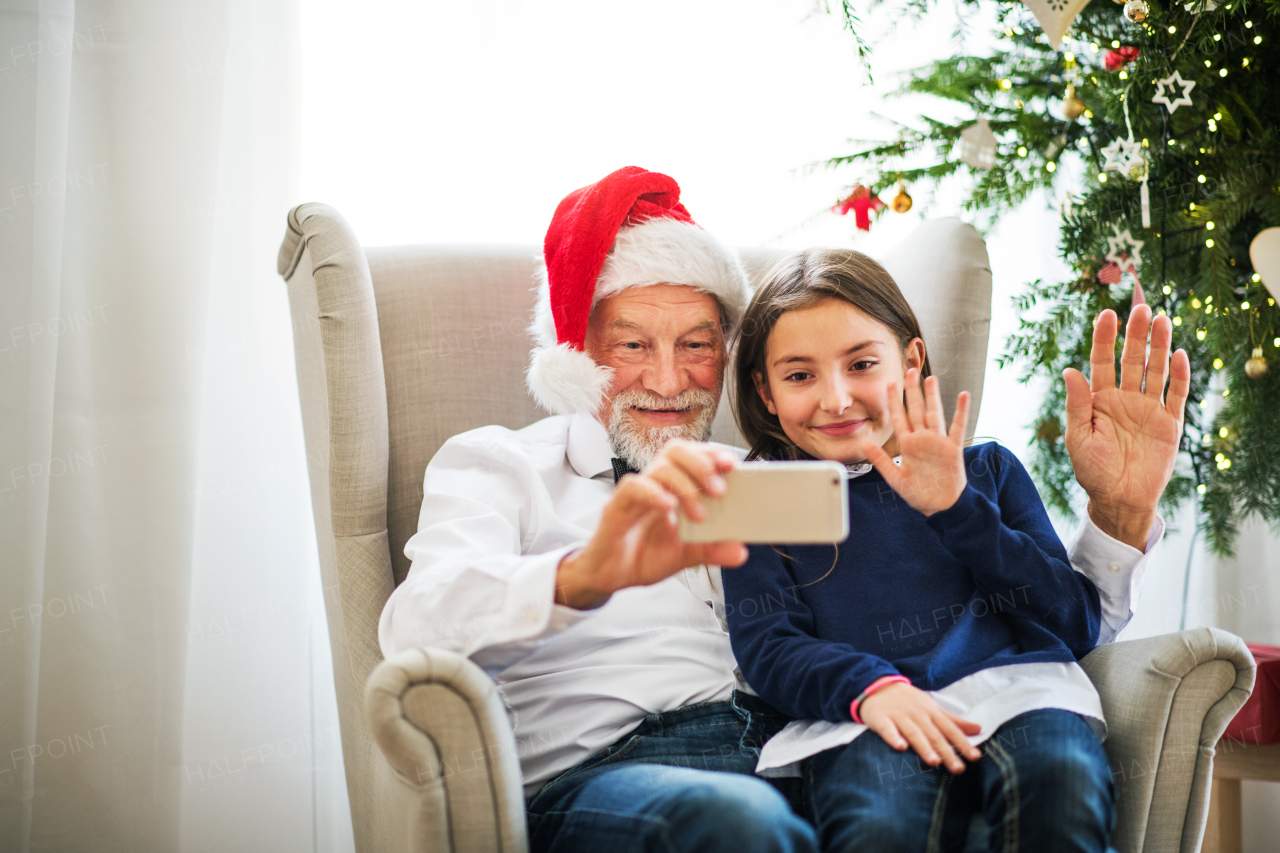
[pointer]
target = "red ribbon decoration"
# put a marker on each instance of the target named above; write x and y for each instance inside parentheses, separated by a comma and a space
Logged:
(1116, 59)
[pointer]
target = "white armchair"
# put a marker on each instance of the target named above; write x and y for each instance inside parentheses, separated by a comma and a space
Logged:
(399, 348)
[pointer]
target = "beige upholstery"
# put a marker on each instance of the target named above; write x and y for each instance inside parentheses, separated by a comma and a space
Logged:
(1167, 700)
(399, 348)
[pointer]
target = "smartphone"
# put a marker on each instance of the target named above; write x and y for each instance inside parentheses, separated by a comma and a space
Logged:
(776, 503)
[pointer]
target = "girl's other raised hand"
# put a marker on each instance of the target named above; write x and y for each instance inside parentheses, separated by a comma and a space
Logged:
(931, 475)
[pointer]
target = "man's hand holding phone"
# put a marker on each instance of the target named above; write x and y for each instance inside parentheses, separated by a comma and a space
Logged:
(638, 540)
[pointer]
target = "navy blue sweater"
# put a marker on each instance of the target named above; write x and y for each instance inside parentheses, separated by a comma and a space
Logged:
(983, 584)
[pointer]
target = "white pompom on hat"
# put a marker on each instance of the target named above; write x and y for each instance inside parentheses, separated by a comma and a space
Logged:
(627, 230)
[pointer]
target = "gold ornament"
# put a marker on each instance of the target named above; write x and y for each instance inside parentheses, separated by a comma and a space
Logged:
(901, 201)
(1072, 106)
(1136, 11)
(1256, 366)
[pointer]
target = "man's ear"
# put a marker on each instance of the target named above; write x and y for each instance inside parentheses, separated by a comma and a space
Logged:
(913, 355)
(762, 388)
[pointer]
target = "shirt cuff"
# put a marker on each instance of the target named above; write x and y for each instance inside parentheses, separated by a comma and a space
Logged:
(1116, 569)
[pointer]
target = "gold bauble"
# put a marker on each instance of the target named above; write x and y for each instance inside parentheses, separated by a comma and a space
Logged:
(1072, 106)
(1136, 11)
(1256, 366)
(901, 201)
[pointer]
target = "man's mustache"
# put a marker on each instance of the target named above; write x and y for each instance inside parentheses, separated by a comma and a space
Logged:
(692, 398)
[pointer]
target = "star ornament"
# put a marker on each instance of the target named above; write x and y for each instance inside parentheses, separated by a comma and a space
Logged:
(1165, 87)
(1123, 250)
(1125, 157)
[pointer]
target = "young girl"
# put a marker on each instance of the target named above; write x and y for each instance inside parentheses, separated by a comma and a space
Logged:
(951, 616)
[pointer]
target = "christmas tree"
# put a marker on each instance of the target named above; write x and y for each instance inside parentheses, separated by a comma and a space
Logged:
(1174, 111)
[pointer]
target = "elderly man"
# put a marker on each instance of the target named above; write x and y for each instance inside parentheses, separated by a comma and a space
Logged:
(566, 580)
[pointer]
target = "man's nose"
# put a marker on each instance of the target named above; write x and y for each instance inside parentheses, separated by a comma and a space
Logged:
(665, 377)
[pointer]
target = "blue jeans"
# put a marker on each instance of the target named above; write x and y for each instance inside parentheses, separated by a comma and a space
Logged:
(682, 781)
(1043, 784)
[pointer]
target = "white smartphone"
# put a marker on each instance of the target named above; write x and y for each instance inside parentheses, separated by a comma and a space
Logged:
(776, 503)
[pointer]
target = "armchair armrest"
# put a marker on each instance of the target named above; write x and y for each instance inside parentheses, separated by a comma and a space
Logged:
(1167, 700)
(442, 727)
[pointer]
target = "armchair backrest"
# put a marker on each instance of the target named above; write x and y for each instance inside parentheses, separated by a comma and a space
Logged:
(399, 348)
(452, 322)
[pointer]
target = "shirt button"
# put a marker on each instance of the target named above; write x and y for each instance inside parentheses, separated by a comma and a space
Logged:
(1114, 567)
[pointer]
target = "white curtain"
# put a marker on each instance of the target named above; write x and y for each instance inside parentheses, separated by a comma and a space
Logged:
(165, 681)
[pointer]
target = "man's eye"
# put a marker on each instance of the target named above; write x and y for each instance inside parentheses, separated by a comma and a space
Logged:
(633, 345)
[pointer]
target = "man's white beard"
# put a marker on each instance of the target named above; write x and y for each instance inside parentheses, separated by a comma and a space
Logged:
(638, 445)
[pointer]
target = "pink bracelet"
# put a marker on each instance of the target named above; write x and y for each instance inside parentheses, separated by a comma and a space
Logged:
(878, 684)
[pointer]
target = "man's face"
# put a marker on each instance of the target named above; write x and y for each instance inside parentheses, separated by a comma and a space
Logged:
(667, 352)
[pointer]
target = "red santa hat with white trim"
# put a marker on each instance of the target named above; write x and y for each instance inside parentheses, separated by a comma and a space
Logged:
(627, 230)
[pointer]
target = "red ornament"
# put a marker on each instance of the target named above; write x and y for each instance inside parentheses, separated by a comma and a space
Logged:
(862, 201)
(1121, 56)
(1109, 274)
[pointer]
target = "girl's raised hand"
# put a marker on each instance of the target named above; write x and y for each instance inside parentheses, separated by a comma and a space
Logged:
(931, 476)
(905, 715)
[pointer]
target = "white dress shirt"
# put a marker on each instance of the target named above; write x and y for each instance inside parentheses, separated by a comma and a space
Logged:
(500, 509)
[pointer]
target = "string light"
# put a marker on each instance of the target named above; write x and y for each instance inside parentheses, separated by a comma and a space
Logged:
(1217, 364)
(1050, 166)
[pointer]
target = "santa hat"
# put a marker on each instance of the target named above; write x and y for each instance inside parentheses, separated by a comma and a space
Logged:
(627, 230)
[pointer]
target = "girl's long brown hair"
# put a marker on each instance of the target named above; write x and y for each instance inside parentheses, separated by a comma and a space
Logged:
(796, 282)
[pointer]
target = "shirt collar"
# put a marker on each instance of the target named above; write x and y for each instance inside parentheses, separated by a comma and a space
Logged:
(590, 451)
(857, 469)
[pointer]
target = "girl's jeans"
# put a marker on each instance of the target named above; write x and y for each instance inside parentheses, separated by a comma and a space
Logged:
(1043, 784)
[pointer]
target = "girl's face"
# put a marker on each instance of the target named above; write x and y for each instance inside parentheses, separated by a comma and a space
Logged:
(827, 371)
